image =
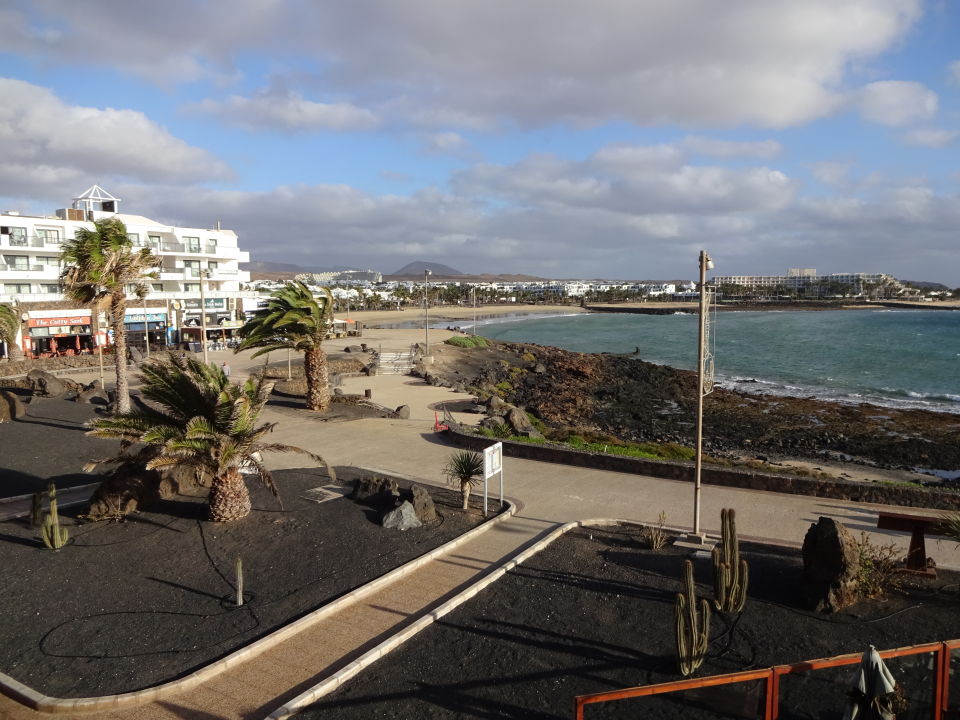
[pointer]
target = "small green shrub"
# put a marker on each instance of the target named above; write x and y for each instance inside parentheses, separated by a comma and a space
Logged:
(503, 387)
(877, 567)
(516, 372)
(471, 341)
(529, 358)
(538, 424)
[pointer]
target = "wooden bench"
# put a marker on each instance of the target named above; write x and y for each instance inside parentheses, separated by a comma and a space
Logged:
(917, 526)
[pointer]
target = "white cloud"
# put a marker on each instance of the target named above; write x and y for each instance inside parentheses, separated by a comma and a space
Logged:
(446, 143)
(763, 149)
(287, 111)
(830, 172)
(896, 103)
(931, 137)
(628, 179)
(772, 63)
(953, 70)
(47, 145)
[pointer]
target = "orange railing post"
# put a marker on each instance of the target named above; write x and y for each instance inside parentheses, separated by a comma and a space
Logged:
(772, 676)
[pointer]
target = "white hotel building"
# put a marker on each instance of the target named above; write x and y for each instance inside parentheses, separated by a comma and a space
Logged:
(31, 264)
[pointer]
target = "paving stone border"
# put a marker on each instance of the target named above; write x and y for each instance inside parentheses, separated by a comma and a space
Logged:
(44, 703)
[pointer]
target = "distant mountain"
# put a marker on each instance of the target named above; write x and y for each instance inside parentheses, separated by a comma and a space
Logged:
(417, 268)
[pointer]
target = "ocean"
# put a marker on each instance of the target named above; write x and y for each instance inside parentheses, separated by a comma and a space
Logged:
(894, 358)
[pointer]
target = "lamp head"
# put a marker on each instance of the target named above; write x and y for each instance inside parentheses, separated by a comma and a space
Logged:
(709, 264)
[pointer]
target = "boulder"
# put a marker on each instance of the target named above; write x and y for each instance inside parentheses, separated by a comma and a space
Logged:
(136, 356)
(423, 504)
(521, 424)
(43, 383)
(830, 565)
(353, 349)
(403, 412)
(497, 406)
(370, 369)
(402, 518)
(93, 393)
(376, 492)
(11, 407)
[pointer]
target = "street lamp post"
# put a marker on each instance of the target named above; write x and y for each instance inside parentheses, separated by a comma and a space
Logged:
(705, 264)
(146, 327)
(474, 291)
(204, 274)
(426, 315)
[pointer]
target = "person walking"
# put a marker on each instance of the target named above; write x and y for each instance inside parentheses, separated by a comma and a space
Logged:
(225, 368)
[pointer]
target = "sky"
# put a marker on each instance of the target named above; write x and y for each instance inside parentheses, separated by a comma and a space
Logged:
(561, 138)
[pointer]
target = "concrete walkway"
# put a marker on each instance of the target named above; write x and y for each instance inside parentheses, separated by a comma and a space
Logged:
(547, 495)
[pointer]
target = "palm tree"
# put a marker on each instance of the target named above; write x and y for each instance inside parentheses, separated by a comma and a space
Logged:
(464, 469)
(197, 418)
(10, 329)
(100, 265)
(295, 319)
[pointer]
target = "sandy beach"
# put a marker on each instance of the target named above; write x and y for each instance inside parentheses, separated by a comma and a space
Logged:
(373, 318)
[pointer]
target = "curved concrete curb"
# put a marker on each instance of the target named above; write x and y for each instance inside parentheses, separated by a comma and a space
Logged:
(44, 703)
(338, 678)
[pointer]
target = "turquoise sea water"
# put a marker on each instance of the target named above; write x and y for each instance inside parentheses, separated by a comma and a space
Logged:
(897, 358)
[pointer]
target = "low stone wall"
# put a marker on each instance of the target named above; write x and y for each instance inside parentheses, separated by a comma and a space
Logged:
(53, 365)
(793, 484)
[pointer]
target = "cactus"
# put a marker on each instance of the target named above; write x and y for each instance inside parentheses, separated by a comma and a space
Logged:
(693, 632)
(730, 573)
(36, 509)
(238, 567)
(54, 537)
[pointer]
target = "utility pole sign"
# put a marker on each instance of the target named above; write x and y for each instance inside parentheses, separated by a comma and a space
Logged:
(492, 465)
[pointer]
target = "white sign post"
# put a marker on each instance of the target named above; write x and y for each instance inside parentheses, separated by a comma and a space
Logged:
(492, 464)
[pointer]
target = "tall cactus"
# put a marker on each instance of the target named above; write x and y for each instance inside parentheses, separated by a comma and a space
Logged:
(693, 631)
(238, 568)
(730, 573)
(54, 537)
(36, 509)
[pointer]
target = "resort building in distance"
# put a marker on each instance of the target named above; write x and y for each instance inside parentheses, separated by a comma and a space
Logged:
(806, 282)
(31, 264)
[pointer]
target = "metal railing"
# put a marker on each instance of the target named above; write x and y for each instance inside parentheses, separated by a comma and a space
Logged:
(771, 681)
(29, 241)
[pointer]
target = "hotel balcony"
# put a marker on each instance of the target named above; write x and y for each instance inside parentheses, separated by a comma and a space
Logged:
(30, 242)
(29, 272)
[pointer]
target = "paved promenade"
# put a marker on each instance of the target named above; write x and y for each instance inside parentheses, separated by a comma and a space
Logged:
(546, 495)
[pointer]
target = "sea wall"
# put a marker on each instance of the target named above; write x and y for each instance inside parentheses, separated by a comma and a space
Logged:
(792, 484)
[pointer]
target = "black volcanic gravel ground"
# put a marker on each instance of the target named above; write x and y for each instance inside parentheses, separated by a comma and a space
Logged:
(128, 605)
(594, 612)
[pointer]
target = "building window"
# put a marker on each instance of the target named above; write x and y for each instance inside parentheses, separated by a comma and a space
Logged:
(192, 244)
(157, 287)
(212, 266)
(153, 242)
(212, 246)
(191, 287)
(17, 262)
(49, 236)
(50, 288)
(18, 236)
(49, 262)
(134, 239)
(16, 288)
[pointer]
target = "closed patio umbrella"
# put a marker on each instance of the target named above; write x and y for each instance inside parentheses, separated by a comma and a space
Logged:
(871, 696)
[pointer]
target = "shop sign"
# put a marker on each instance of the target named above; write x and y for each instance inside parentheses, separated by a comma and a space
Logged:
(231, 323)
(211, 304)
(58, 321)
(151, 317)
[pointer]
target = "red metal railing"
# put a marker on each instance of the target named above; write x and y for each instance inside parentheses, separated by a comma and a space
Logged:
(771, 680)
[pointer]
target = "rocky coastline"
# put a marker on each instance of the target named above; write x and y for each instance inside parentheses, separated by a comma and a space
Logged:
(626, 399)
